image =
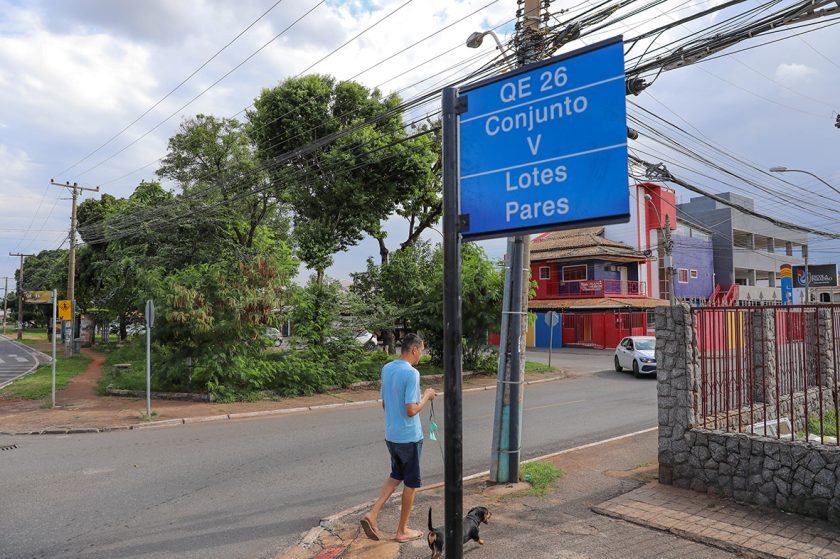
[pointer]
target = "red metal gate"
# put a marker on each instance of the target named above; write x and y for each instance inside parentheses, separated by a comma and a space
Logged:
(602, 330)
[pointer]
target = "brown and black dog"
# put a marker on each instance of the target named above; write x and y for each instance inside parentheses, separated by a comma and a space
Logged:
(472, 521)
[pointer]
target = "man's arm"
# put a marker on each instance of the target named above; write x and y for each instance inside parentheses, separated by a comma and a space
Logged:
(413, 409)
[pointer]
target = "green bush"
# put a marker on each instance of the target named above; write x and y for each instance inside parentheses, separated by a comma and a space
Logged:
(306, 372)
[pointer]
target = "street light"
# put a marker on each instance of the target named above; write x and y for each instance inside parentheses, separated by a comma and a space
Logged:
(476, 38)
(805, 247)
(786, 170)
(669, 269)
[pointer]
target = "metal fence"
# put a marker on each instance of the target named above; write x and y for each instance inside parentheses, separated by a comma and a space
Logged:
(768, 370)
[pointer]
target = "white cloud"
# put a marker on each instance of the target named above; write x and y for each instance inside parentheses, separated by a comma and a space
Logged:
(74, 72)
(795, 74)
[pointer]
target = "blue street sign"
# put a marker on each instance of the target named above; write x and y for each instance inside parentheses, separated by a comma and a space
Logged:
(545, 147)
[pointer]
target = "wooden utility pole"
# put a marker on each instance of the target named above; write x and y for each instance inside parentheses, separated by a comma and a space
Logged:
(5, 300)
(507, 424)
(67, 326)
(19, 296)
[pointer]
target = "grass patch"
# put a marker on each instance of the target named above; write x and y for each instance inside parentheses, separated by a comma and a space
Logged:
(829, 424)
(134, 378)
(536, 367)
(540, 475)
(38, 385)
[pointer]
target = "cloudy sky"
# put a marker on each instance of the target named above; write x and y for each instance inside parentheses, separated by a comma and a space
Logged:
(73, 73)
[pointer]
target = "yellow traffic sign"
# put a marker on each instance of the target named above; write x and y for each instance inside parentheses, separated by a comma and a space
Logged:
(37, 297)
(65, 310)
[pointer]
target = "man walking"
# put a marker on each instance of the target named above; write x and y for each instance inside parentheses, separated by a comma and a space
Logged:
(402, 403)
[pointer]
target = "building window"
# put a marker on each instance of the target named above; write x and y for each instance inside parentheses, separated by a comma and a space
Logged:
(545, 272)
(682, 275)
(574, 273)
(693, 274)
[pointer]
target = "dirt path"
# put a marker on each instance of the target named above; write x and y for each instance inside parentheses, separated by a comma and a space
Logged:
(83, 386)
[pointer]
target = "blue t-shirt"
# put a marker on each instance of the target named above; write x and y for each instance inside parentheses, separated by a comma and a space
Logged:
(400, 386)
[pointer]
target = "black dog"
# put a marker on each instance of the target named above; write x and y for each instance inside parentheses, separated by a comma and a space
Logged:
(472, 521)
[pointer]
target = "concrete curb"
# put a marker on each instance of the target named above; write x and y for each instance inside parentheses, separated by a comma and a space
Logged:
(312, 535)
(239, 415)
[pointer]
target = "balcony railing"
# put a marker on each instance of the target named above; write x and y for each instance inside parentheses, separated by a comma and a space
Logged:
(595, 288)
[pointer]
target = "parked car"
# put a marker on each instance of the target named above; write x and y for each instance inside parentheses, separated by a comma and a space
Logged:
(274, 335)
(636, 353)
(366, 339)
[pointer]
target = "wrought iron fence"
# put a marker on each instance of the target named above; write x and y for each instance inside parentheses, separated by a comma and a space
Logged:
(768, 370)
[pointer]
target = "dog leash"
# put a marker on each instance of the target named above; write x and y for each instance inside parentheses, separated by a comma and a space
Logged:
(433, 426)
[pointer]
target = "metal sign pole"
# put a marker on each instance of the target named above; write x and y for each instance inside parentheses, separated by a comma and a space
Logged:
(54, 324)
(550, 336)
(150, 318)
(453, 428)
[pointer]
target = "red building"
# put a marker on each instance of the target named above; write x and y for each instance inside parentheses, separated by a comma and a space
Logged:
(595, 283)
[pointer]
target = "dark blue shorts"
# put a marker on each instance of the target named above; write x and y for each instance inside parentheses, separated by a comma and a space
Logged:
(405, 462)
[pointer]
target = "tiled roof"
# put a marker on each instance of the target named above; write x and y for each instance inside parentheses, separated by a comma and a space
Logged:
(602, 302)
(577, 243)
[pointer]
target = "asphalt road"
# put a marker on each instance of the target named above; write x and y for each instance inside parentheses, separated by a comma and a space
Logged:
(15, 360)
(249, 488)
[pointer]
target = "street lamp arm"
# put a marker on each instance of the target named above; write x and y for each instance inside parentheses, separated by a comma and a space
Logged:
(474, 41)
(786, 170)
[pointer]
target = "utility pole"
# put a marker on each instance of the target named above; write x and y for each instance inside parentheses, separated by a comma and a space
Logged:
(5, 300)
(20, 295)
(68, 326)
(507, 424)
(669, 265)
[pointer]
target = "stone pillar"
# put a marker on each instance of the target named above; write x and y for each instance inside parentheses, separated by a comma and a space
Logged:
(771, 244)
(764, 354)
(751, 277)
(826, 349)
(771, 279)
(676, 341)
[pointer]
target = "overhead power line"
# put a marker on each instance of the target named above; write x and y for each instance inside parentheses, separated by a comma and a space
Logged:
(173, 90)
(660, 172)
(205, 90)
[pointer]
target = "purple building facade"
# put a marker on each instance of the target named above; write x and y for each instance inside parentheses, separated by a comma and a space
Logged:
(694, 268)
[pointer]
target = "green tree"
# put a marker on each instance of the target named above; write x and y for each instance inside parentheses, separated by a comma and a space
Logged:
(421, 204)
(395, 290)
(481, 301)
(45, 271)
(213, 161)
(213, 316)
(344, 188)
(119, 249)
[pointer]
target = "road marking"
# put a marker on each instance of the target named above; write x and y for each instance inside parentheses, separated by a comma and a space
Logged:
(95, 471)
(21, 359)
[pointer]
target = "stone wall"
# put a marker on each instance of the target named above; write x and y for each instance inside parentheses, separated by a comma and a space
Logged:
(791, 475)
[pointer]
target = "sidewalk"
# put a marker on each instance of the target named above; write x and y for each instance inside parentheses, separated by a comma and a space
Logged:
(767, 533)
(80, 409)
(615, 479)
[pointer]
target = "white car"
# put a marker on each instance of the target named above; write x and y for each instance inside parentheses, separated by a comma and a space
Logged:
(366, 339)
(636, 353)
(274, 336)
